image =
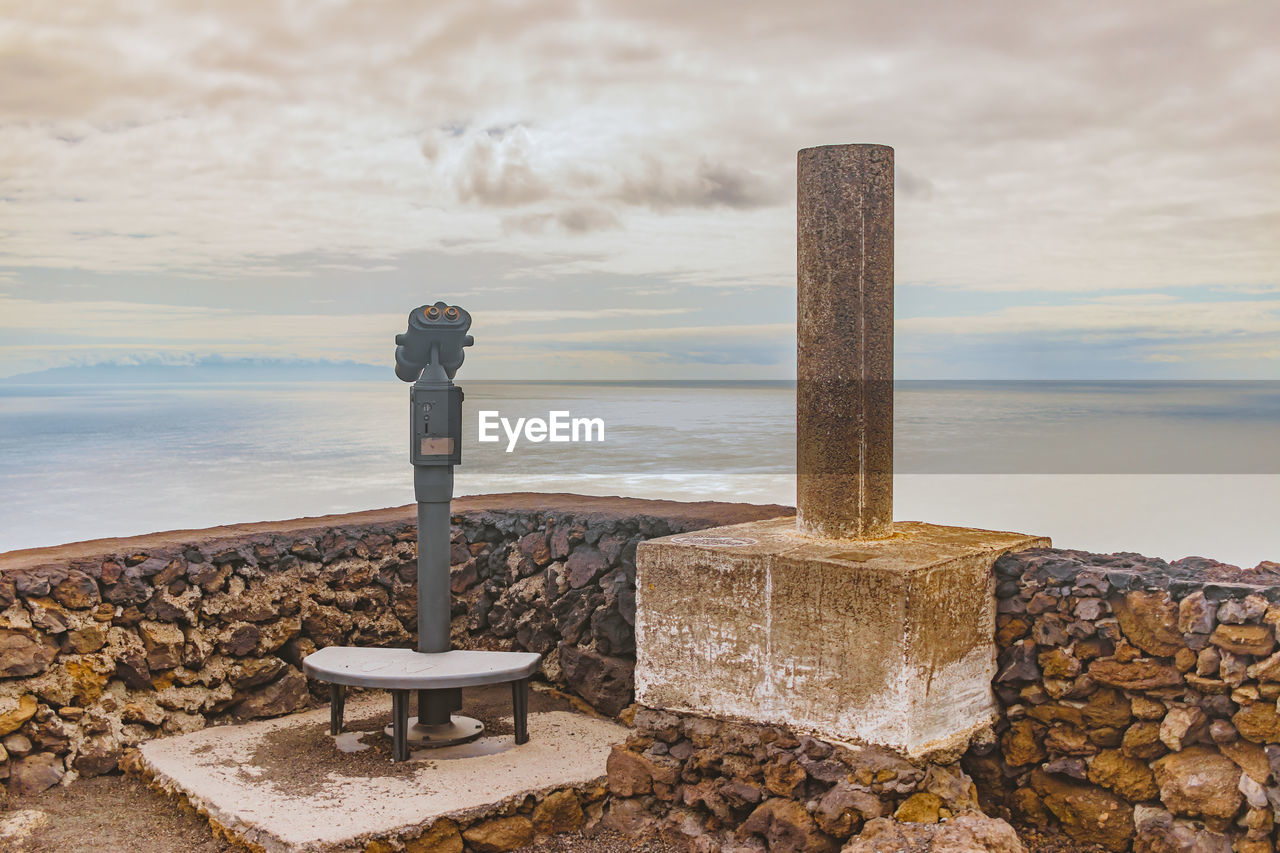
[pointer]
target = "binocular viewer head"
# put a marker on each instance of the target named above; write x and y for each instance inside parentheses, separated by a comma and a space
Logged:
(436, 335)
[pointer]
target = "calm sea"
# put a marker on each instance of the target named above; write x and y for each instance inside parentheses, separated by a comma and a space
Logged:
(1168, 469)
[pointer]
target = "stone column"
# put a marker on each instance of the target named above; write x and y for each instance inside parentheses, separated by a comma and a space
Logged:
(844, 331)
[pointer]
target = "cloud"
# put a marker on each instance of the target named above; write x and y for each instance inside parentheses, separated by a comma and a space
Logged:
(495, 170)
(578, 219)
(1052, 149)
(911, 185)
(1058, 142)
(709, 186)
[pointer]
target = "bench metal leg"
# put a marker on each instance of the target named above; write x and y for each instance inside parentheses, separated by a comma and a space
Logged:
(337, 704)
(520, 708)
(399, 725)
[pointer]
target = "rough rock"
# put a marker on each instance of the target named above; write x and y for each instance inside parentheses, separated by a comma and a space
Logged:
(1237, 611)
(1068, 740)
(629, 774)
(1073, 767)
(1107, 707)
(787, 827)
(784, 778)
(442, 837)
(1249, 757)
(241, 639)
(1150, 621)
(1019, 663)
(499, 834)
(964, 834)
(1258, 722)
(48, 615)
(534, 546)
(1136, 675)
(24, 652)
(922, 807)
(1089, 814)
(1254, 794)
(1178, 724)
(1266, 670)
(289, 693)
(35, 773)
(82, 641)
(629, 817)
(1128, 777)
(1222, 731)
(1142, 740)
(558, 812)
(163, 642)
(18, 745)
(607, 683)
(955, 788)
(1196, 614)
(1159, 832)
(1256, 640)
(77, 591)
(844, 808)
(1020, 744)
(1059, 663)
(16, 711)
(1199, 781)
(145, 710)
(584, 565)
(1147, 709)
(256, 671)
(97, 756)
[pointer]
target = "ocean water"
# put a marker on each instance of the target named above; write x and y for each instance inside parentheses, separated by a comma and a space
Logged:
(1167, 469)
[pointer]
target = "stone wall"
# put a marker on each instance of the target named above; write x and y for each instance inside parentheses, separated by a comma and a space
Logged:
(1138, 698)
(1138, 711)
(736, 787)
(1139, 701)
(106, 644)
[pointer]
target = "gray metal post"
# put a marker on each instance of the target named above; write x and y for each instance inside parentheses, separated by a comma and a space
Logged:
(844, 333)
(430, 485)
(433, 487)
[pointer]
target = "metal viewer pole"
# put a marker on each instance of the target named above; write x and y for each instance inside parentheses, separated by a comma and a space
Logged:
(428, 354)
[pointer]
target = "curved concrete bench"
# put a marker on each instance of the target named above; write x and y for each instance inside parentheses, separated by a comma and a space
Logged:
(403, 670)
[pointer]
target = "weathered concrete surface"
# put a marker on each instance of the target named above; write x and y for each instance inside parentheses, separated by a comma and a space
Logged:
(216, 770)
(844, 341)
(887, 642)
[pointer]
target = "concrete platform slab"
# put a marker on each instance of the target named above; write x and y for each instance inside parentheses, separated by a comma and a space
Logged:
(287, 786)
(887, 642)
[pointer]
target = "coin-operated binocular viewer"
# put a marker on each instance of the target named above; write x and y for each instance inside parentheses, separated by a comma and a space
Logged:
(428, 354)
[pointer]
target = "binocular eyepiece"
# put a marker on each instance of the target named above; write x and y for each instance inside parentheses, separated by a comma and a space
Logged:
(436, 335)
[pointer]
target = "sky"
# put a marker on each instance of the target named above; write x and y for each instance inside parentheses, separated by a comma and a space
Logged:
(1084, 190)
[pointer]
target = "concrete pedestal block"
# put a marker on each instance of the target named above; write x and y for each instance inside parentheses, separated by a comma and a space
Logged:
(887, 642)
